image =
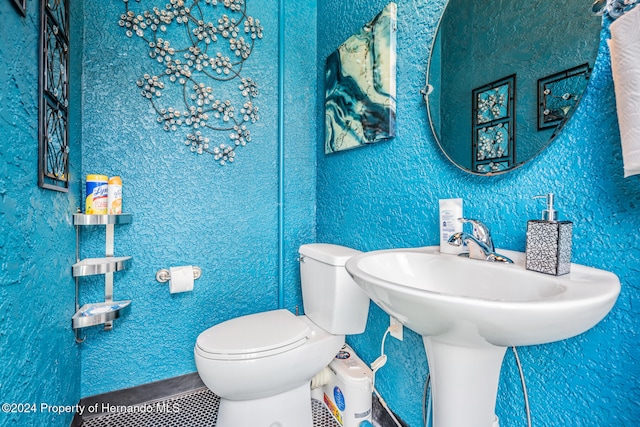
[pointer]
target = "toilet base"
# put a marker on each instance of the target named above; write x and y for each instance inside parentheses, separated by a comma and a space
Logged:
(291, 408)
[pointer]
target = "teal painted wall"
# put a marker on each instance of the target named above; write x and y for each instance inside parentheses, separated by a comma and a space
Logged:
(300, 130)
(39, 360)
(386, 195)
(187, 209)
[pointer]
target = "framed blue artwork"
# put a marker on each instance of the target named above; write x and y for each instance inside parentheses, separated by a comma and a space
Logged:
(360, 85)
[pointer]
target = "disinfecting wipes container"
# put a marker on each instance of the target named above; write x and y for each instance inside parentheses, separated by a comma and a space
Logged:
(96, 193)
(348, 393)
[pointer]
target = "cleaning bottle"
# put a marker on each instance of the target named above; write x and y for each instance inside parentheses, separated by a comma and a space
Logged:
(450, 212)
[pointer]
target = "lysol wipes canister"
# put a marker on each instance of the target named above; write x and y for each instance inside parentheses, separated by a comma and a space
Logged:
(96, 201)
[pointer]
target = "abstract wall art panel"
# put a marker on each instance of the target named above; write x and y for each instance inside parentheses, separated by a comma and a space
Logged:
(360, 84)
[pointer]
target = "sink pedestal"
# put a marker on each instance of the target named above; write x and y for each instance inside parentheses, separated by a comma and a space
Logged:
(464, 381)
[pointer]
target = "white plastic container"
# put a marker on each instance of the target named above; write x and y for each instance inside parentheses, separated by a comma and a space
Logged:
(348, 392)
(114, 195)
(450, 211)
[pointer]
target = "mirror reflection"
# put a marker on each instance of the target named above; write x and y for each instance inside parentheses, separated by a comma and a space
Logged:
(505, 77)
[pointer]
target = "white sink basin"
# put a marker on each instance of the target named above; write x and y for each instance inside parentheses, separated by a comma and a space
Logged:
(470, 311)
(436, 294)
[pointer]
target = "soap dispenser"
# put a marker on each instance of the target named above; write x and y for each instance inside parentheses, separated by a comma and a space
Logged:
(549, 242)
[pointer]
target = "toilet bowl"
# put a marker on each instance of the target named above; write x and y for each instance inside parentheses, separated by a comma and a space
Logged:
(288, 342)
(253, 385)
(261, 365)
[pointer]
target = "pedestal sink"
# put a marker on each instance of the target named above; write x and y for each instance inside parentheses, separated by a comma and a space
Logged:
(468, 312)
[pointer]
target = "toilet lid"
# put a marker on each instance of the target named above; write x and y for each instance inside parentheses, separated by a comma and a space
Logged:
(266, 333)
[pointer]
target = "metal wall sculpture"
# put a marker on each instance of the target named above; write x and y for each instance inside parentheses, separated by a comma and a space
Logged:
(559, 93)
(53, 163)
(493, 126)
(198, 49)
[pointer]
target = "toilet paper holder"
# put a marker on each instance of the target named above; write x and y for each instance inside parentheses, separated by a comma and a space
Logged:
(164, 276)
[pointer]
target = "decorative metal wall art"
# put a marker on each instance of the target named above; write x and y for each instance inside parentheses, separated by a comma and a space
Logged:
(21, 5)
(53, 162)
(493, 126)
(559, 93)
(360, 85)
(197, 48)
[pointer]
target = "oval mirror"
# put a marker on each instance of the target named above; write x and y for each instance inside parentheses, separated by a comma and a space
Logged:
(505, 76)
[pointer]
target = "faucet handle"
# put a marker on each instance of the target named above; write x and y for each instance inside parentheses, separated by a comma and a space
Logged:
(480, 231)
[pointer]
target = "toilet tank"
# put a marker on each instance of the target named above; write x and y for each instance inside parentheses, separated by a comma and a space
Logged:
(332, 300)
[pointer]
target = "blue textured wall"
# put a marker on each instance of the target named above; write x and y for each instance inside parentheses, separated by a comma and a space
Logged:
(39, 361)
(386, 195)
(187, 209)
(299, 134)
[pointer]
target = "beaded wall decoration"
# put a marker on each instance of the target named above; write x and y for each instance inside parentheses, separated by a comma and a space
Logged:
(197, 50)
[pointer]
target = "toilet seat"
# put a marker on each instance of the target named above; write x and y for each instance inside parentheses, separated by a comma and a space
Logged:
(253, 336)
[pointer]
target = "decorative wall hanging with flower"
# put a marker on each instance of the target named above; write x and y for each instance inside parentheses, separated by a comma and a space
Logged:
(198, 49)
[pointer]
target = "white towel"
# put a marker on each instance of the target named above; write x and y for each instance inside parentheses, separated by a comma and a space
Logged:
(625, 66)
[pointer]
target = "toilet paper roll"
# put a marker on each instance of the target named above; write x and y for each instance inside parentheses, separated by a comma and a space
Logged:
(181, 279)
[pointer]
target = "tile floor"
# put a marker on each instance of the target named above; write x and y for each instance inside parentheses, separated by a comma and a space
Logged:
(197, 408)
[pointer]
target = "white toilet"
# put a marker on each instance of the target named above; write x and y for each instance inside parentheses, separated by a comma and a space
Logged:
(261, 365)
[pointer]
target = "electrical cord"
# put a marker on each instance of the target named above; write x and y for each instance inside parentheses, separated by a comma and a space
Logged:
(384, 338)
(380, 361)
(377, 364)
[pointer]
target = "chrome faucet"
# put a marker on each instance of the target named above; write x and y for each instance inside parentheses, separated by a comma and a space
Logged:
(479, 243)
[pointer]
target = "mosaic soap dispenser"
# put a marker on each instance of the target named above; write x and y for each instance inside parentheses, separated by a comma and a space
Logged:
(549, 242)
